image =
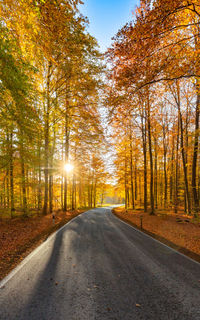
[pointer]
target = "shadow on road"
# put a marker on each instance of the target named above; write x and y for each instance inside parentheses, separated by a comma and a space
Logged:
(43, 295)
(115, 269)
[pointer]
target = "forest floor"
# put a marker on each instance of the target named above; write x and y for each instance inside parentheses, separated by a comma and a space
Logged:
(175, 230)
(19, 236)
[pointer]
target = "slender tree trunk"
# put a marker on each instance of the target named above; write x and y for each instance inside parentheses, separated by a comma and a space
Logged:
(165, 163)
(136, 184)
(195, 152)
(91, 192)
(39, 196)
(156, 174)
(4, 192)
(125, 181)
(95, 192)
(50, 193)
(131, 168)
(199, 180)
(23, 176)
(89, 197)
(176, 195)
(62, 178)
(161, 184)
(12, 206)
(46, 137)
(27, 186)
(128, 197)
(7, 182)
(67, 134)
(144, 144)
(196, 138)
(51, 172)
(79, 192)
(165, 177)
(172, 173)
(150, 155)
(74, 185)
(186, 152)
(140, 188)
(75, 193)
(183, 153)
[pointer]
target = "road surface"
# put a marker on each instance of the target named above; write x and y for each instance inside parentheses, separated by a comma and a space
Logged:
(97, 267)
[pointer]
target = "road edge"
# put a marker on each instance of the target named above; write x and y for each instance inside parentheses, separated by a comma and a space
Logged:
(161, 240)
(16, 269)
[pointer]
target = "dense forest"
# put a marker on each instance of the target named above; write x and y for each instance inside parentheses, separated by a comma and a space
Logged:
(154, 100)
(53, 86)
(50, 83)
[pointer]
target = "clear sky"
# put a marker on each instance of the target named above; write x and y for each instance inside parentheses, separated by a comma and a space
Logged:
(107, 17)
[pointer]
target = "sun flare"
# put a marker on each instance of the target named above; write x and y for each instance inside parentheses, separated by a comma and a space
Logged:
(68, 167)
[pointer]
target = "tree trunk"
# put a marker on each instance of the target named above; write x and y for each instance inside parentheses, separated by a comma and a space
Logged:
(67, 134)
(95, 192)
(150, 155)
(195, 152)
(183, 152)
(171, 181)
(46, 148)
(165, 162)
(144, 144)
(176, 195)
(62, 178)
(196, 138)
(52, 170)
(12, 206)
(91, 193)
(140, 188)
(131, 168)
(136, 184)
(125, 181)
(23, 177)
(74, 185)
(51, 193)
(186, 152)
(39, 196)
(156, 174)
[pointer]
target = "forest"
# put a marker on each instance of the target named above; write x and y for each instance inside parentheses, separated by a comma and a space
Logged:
(50, 86)
(154, 100)
(54, 83)
(99, 159)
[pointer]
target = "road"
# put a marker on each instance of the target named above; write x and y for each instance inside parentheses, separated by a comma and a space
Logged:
(97, 267)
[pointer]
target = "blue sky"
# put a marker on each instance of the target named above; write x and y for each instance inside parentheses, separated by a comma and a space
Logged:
(107, 17)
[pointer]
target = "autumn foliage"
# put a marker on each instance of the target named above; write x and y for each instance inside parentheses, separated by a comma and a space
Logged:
(50, 82)
(153, 94)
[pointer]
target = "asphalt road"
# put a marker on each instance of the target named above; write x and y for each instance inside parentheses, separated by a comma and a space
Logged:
(98, 267)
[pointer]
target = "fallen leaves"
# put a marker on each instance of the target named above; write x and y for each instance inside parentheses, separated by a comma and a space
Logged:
(18, 237)
(138, 305)
(184, 234)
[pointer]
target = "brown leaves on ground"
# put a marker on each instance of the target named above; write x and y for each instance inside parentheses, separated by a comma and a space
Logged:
(138, 305)
(19, 236)
(174, 228)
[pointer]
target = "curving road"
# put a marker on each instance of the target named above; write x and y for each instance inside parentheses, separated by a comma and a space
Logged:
(97, 267)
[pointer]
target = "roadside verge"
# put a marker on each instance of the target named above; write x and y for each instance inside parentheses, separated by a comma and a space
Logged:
(20, 236)
(182, 236)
